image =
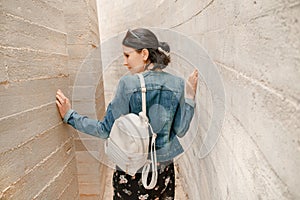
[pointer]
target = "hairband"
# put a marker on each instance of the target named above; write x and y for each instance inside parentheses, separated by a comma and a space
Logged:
(163, 51)
(132, 33)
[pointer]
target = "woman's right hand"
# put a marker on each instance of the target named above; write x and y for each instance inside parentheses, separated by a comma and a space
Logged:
(63, 103)
(191, 85)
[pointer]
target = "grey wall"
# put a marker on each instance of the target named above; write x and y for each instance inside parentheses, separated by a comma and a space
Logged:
(37, 153)
(255, 47)
(45, 45)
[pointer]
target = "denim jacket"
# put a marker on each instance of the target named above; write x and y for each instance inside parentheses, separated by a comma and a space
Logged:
(168, 111)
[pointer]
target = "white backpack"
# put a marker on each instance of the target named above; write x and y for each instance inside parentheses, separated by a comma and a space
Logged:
(128, 143)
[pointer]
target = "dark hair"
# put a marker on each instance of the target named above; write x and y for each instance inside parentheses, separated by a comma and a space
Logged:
(142, 38)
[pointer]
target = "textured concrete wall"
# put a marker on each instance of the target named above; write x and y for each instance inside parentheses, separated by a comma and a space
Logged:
(37, 157)
(46, 45)
(255, 46)
(86, 91)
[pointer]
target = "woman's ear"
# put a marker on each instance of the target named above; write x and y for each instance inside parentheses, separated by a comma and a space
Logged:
(145, 54)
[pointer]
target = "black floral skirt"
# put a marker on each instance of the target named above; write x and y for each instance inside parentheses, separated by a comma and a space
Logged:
(131, 187)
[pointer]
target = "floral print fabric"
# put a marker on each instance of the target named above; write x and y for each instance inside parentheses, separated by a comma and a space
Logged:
(131, 187)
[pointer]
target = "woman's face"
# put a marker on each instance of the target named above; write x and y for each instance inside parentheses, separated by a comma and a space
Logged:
(133, 60)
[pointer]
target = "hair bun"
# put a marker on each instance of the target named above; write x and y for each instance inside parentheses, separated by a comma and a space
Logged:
(164, 46)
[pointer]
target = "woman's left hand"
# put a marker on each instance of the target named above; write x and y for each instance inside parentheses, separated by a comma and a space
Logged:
(63, 103)
(191, 85)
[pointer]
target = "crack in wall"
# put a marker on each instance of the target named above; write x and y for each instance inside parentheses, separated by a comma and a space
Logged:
(255, 82)
(38, 165)
(194, 15)
(11, 48)
(6, 82)
(28, 110)
(52, 181)
(60, 75)
(33, 23)
(31, 139)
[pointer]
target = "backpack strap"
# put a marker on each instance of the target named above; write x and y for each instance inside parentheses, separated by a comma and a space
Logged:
(143, 89)
(153, 163)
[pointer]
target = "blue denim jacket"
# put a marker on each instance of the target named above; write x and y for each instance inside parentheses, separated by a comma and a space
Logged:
(168, 111)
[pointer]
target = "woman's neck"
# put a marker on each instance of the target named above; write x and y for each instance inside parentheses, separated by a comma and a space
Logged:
(151, 66)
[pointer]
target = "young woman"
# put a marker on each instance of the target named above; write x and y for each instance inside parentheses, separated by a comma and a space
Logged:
(168, 109)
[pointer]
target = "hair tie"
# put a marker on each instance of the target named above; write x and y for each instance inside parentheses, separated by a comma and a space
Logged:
(163, 51)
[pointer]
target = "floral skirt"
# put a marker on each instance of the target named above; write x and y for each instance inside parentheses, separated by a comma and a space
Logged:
(131, 187)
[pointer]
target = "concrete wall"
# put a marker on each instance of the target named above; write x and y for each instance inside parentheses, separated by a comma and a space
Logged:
(255, 47)
(37, 152)
(86, 91)
(43, 45)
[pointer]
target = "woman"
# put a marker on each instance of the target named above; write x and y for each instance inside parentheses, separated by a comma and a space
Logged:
(168, 109)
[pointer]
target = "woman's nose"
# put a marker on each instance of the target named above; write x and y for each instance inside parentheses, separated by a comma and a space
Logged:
(125, 61)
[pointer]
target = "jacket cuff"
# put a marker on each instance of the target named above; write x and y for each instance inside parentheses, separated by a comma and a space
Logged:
(191, 102)
(68, 115)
